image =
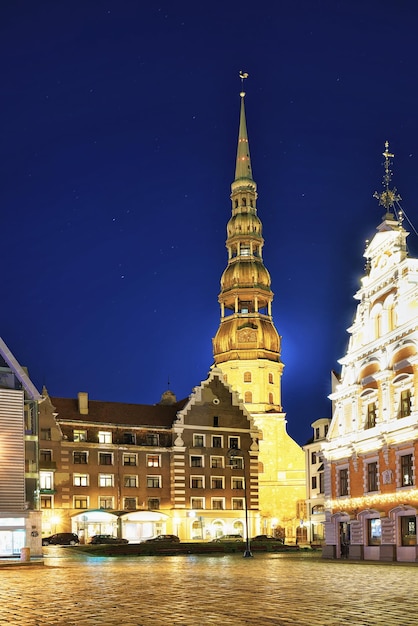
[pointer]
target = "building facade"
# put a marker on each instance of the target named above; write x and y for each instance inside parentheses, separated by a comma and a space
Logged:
(315, 484)
(372, 445)
(20, 518)
(187, 468)
(247, 349)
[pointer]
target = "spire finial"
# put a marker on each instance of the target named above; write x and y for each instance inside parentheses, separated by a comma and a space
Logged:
(243, 76)
(387, 197)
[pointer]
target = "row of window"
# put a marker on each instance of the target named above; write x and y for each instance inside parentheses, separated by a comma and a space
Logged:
(106, 437)
(131, 504)
(408, 531)
(216, 441)
(406, 475)
(248, 378)
(404, 409)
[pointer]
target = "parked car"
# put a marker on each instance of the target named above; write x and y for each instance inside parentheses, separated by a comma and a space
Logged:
(61, 539)
(267, 538)
(234, 537)
(166, 538)
(107, 539)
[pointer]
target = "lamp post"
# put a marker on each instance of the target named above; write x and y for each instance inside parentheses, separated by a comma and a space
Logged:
(232, 453)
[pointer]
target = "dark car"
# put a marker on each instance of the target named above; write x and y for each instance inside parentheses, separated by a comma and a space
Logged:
(267, 538)
(107, 539)
(234, 537)
(166, 538)
(61, 539)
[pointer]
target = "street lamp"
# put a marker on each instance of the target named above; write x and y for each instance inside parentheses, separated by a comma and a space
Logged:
(232, 454)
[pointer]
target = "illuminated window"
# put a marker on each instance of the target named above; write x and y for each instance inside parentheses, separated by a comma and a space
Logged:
(80, 435)
(374, 532)
(245, 249)
(218, 504)
(46, 480)
(405, 403)
(154, 482)
(407, 475)
(237, 482)
(105, 458)
(197, 482)
(217, 482)
(216, 461)
(247, 377)
(408, 530)
(130, 481)
(372, 476)
(80, 458)
(105, 502)
(217, 441)
(104, 436)
(371, 415)
(81, 480)
(129, 504)
(153, 504)
(129, 459)
(197, 503)
(237, 504)
(153, 460)
(248, 396)
(196, 461)
(237, 463)
(81, 502)
(105, 480)
(271, 380)
(46, 502)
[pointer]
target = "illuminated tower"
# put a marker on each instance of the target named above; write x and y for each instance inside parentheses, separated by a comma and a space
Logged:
(247, 345)
(246, 349)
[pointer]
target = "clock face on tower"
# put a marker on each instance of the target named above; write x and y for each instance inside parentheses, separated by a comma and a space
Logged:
(247, 335)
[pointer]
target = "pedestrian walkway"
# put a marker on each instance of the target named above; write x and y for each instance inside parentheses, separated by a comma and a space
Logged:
(224, 590)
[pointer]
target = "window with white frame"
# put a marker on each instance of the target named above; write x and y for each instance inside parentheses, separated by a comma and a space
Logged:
(198, 441)
(153, 504)
(46, 502)
(374, 531)
(129, 504)
(217, 461)
(80, 480)
(79, 435)
(105, 436)
(196, 460)
(217, 441)
(217, 482)
(237, 504)
(153, 460)
(197, 482)
(218, 504)
(372, 478)
(154, 482)
(237, 482)
(342, 477)
(233, 443)
(80, 458)
(236, 463)
(105, 458)
(152, 439)
(130, 481)
(80, 502)
(105, 502)
(46, 480)
(129, 459)
(197, 503)
(406, 470)
(106, 480)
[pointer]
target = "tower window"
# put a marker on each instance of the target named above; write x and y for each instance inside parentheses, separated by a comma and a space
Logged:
(247, 377)
(245, 249)
(271, 380)
(248, 397)
(236, 204)
(271, 398)
(371, 415)
(244, 202)
(405, 403)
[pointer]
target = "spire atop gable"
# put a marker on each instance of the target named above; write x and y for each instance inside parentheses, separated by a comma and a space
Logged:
(387, 197)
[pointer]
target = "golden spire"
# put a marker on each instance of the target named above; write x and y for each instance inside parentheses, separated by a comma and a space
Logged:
(387, 197)
(243, 162)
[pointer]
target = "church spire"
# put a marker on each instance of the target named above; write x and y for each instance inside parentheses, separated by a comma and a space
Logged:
(247, 344)
(243, 165)
(387, 197)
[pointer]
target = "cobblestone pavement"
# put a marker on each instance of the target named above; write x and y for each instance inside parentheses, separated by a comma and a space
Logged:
(225, 590)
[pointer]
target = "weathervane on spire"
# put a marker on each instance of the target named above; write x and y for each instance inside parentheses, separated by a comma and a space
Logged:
(243, 76)
(387, 197)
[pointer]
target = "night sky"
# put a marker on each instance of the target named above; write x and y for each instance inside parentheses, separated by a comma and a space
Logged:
(119, 123)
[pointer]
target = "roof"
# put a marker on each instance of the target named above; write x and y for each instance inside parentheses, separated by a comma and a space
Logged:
(118, 413)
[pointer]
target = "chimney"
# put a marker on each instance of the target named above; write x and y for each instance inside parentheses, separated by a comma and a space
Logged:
(83, 402)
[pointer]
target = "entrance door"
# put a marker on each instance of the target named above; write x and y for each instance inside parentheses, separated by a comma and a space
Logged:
(344, 540)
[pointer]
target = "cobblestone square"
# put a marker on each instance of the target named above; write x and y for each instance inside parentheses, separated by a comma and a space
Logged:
(226, 590)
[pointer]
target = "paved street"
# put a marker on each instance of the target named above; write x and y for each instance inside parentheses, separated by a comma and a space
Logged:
(270, 589)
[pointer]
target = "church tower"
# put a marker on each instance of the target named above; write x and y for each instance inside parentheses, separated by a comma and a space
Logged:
(247, 345)
(246, 349)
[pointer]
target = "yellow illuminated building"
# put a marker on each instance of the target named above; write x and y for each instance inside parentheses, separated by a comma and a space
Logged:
(247, 350)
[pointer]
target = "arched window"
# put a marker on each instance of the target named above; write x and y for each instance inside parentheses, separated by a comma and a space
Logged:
(247, 377)
(236, 204)
(248, 397)
(244, 202)
(271, 380)
(271, 398)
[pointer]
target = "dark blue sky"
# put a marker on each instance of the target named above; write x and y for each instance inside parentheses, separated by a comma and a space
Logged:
(119, 124)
